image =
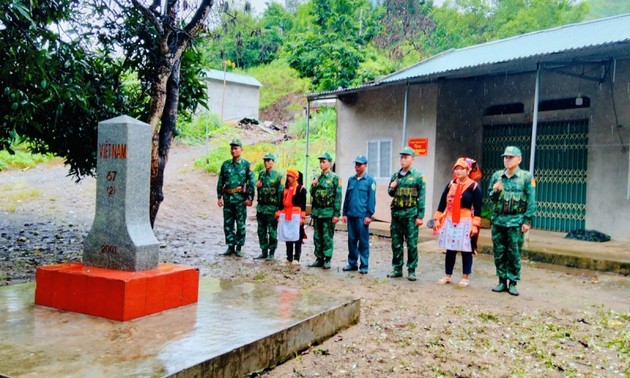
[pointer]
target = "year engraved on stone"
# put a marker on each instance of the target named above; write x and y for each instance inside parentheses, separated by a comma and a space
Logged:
(105, 248)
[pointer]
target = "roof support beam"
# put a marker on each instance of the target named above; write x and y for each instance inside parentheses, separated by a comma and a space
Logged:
(532, 153)
(308, 126)
(405, 111)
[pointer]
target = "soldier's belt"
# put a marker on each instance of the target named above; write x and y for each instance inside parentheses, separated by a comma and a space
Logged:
(238, 189)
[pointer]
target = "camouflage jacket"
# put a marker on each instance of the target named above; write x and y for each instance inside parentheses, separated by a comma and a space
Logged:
(516, 203)
(270, 193)
(408, 196)
(326, 196)
(236, 181)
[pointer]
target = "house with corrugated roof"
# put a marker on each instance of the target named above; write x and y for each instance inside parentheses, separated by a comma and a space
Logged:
(233, 96)
(562, 95)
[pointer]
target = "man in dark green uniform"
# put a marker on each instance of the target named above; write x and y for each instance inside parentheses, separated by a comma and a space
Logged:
(235, 191)
(326, 208)
(407, 187)
(270, 187)
(513, 193)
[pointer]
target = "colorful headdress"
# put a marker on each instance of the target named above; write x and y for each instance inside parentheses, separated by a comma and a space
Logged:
(293, 173)
(471, 165)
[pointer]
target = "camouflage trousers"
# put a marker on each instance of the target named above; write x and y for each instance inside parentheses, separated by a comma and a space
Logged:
(404, 229)
(507, 243)
(267, 232)
(323, 234)
(234, 214)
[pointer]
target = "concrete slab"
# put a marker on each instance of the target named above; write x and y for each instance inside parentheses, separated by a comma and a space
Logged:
(234, 329)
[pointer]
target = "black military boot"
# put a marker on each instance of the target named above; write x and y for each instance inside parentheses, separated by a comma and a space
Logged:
(238, 251)
(501, 287)
(271, 255)
(229, 250)
(263, 255)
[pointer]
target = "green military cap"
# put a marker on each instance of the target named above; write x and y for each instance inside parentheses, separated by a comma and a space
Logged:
(326, 156)
(512, 151)
(269, 156)
(236, 142)
(408, 151)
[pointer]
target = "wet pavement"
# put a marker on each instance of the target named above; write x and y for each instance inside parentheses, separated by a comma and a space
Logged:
(549, 247)
(233, 329)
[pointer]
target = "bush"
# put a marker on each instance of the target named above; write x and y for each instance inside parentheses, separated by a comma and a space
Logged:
(195, 131)
(289, 153)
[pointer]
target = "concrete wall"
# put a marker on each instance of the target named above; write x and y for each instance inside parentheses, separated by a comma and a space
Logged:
(239, 100)
(458, 130)
(450, 114)
(378, 114)
(608, 203)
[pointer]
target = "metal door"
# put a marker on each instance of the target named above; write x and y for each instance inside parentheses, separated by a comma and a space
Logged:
(560, 168)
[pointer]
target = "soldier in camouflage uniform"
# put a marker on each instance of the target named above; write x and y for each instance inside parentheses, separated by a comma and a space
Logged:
(270, 188)
(513, 193)
(407, 187)
(235, 191)
(326, 208)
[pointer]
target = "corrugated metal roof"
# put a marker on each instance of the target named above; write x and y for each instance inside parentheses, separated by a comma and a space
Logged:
(511, 54)
(546, 42)
(232, 77)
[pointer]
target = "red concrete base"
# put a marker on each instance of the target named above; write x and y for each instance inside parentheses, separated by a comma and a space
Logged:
(116, 294)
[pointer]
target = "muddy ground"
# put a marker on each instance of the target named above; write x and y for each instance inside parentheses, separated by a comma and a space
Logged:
(566, 322)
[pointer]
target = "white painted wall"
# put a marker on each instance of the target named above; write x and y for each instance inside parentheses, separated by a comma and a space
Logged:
(379, 114)
(239, 100)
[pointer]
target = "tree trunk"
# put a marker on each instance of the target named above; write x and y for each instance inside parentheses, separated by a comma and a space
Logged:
(165, 87)
(164, 139)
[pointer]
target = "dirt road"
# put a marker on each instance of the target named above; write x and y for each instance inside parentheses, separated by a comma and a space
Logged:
(566, 322)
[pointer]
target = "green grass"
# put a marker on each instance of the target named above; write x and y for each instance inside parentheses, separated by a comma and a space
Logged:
(290, 153)
(22, 158)
(278, 80)
(200, 127)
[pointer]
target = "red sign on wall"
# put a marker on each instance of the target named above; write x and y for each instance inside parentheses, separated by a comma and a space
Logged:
(419, 145)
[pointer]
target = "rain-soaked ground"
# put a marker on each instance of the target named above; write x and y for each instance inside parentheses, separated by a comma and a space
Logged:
(566, 322)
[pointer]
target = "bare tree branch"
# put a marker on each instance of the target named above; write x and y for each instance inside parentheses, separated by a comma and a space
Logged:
(150, 15)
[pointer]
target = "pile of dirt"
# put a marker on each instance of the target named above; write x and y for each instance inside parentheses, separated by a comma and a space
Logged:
(284, 110)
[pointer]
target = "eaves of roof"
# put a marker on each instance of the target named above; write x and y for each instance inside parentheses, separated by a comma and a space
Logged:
(231, 77)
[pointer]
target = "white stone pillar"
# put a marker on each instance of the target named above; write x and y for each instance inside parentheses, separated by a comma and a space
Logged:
(121, 237)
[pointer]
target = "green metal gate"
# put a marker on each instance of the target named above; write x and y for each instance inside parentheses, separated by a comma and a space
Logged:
(560, 168)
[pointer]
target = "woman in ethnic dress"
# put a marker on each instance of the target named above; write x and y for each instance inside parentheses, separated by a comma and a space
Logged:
(458, 219)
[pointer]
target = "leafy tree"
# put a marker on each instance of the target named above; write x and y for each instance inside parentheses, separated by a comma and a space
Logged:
(464, 23)
(68, 64)
(513, 17)
(54, 90)
(405, 28)
(326, 44)
(247, 41)
(154, 41)
(469, 22)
